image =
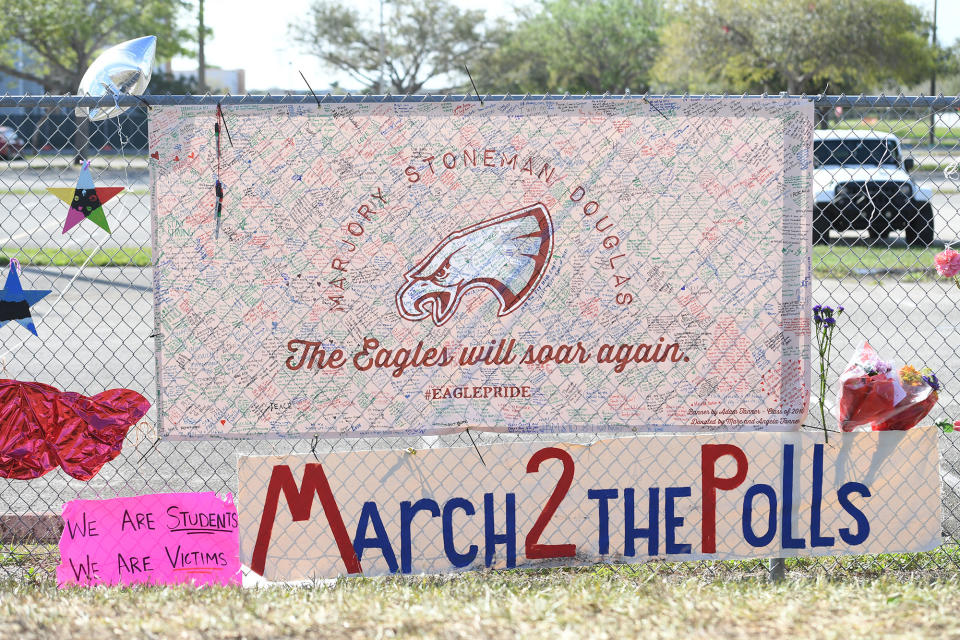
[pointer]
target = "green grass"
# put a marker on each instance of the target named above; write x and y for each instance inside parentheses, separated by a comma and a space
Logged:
(870, 597)
(938, 167)
(862, 262)
(549, 604)
(912, 131)
(120, 257)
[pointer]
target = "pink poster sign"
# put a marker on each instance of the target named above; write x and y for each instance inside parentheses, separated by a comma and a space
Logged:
(164, 538)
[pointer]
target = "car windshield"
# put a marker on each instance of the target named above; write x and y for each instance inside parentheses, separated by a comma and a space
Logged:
(855, 151)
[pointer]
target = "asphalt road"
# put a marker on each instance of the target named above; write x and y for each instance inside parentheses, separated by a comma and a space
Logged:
(34, 218)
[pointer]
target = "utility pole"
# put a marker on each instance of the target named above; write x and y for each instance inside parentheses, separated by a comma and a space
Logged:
(201, 60)
(933, 77)
(383, 55)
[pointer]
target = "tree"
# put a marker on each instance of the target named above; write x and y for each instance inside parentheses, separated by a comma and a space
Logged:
(422, 41)
(577, 46)
(793, 45)
(163, 82)
(62, 37)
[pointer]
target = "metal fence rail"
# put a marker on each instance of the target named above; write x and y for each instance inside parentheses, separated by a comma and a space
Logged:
(97, 325)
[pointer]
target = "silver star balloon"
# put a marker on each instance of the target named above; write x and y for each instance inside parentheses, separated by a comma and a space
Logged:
(123, 69)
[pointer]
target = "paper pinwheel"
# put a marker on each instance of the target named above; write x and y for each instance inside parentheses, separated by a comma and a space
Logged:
(86, 201)
(15, 303)
(42, 428)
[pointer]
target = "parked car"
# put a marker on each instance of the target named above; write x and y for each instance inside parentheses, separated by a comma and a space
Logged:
(11, 144)
(861, 182)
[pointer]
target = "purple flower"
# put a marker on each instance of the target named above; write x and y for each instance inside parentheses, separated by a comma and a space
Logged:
(817, 309)
(827, 311)
(840, 309)
(829, 321)
(932, 381)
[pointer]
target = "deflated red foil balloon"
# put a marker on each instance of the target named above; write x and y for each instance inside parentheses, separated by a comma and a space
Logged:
(42, 427)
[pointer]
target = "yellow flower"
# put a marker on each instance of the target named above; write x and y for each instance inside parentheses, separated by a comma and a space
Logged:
(909, 375)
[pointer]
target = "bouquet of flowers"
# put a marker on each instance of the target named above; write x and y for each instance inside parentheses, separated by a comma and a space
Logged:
(868, 390)
(872, 394)
(921, 389)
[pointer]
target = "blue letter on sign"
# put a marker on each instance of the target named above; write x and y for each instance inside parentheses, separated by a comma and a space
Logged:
(651, 532)
(492, 539)
(602, 496)
(786, 516)
(863, 525)
(816, 505)
(456, 559)
(748, 534)
(670, 522)
(407, 513)
(370, 516)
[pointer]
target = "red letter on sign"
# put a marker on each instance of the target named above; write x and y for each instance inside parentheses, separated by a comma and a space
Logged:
(300, 501)
(709, 454)
(534, 549)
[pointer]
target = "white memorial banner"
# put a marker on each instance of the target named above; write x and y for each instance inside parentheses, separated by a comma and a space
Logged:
(530, 504)
(397, 268)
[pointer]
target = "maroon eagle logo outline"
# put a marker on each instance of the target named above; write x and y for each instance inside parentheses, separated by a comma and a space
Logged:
(506, 255)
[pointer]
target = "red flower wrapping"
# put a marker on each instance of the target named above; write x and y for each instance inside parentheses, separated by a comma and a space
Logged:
(864, 399)
(42, 428)
(910, 411)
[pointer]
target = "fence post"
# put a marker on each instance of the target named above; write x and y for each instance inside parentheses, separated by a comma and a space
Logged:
(776, 569)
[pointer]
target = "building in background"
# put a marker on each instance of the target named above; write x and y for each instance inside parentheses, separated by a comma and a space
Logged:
(230, 81)
(18, 86)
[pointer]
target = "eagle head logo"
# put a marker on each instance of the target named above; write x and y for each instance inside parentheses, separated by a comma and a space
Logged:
(506, 255)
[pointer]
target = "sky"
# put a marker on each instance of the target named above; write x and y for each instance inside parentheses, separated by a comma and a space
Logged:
(246, 36)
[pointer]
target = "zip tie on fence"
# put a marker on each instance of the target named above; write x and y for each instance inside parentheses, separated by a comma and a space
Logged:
(469, 75)
(220, 118)
(153, 446)
(655, 107)
(476, 448)
(116, 96)
(309, 87)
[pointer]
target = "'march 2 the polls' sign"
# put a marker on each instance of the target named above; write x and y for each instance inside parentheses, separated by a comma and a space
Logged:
(534, 504)
(390, 268)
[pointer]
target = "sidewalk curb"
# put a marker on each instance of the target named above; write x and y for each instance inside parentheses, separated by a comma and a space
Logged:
(31, 528)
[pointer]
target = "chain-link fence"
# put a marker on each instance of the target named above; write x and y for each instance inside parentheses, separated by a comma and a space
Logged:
(886, 180)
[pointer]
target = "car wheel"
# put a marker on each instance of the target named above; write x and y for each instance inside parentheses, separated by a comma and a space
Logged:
(919, 229)
(821, 226)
